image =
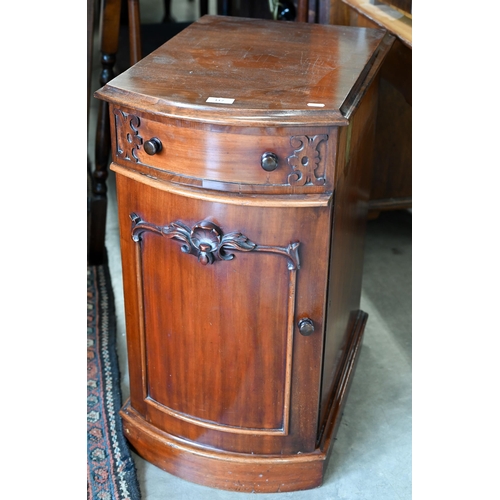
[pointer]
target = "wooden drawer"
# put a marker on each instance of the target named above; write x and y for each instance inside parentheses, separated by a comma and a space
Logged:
(292, 159)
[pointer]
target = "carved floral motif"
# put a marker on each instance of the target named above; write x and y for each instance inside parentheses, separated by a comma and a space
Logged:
(206, 241)
(308, 166)
(127, 135)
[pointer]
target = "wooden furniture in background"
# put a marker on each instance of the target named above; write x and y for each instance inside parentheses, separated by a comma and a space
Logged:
(242, 150)
(392, 169)
(97, 171)
(403, 6)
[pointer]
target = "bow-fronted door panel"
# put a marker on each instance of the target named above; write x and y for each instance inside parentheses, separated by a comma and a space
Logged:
(221, 288)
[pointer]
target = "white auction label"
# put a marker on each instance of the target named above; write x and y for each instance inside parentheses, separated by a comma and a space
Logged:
(220, 100)
(316, 105)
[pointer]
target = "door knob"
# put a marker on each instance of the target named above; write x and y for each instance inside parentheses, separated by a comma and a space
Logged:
(152, 146)
(269, 161)
(306, 326)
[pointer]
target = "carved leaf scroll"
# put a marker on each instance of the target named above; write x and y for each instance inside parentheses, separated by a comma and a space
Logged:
(206, 241)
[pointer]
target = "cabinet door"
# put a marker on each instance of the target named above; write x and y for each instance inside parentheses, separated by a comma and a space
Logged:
(221, 287)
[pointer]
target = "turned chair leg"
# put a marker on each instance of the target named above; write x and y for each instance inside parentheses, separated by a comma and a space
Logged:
(203, 7)
(303, 11)
(134, 31)
(109, 38)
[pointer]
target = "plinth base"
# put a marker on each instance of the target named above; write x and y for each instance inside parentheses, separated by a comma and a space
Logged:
(239, 471)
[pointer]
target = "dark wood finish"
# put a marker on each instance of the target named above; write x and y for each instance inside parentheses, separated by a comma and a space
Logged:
(269, 87)
(301, 159)
(203, 7)
(90, 52)
(167, 11)
(392, 176)
(109, 29)
(242, 283)
(330, 12)
(134, 22)
(403, 6)
(224, 7)
(90, 49)
(303, 11)
(356, 148)
(392, 170)
(109, 40)
(206, 241)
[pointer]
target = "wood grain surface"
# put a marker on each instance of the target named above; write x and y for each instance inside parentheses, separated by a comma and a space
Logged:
(274, 71)
(242, 277)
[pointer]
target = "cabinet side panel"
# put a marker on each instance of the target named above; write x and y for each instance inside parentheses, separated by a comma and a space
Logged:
(349, 222)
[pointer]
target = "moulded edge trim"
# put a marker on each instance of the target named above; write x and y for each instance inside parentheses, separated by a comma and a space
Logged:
(268, 200)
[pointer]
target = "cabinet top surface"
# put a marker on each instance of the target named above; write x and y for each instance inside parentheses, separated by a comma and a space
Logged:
(239, 71)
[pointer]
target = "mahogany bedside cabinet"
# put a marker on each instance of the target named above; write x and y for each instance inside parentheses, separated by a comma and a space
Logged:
(242, 150)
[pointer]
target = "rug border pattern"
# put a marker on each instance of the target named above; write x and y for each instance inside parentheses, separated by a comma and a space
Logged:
(111, 473)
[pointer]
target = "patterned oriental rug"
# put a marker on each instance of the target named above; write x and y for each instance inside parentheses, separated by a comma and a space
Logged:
(111, 473)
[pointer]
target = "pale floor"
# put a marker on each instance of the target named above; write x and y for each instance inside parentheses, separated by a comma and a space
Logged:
(372, 455)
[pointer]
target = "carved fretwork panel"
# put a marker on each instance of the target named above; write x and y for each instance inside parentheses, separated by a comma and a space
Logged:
(127, 135)
(307, 162)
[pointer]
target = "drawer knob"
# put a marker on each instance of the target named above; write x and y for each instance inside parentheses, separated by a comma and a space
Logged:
(152, 146)
(306, 326)
(269, 161)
